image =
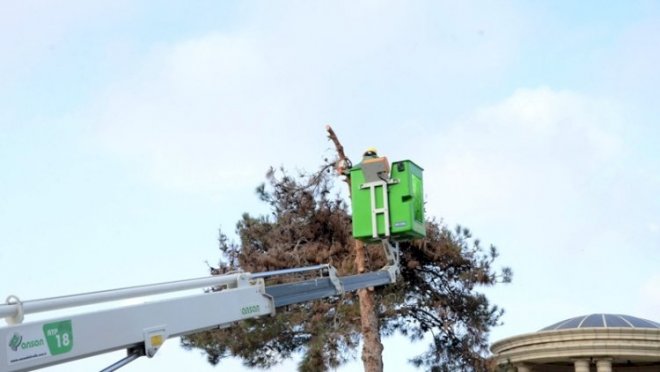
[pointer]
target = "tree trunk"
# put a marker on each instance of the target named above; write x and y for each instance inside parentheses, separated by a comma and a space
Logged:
(372, 348)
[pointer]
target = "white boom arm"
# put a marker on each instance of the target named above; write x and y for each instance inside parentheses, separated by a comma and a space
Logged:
(141, 329)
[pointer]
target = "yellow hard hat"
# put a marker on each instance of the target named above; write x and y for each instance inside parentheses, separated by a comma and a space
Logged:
(370, 151)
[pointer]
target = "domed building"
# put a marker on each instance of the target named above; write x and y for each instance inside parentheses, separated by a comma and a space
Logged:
(589, 343)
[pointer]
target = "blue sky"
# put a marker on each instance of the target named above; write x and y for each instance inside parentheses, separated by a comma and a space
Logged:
(131, 130)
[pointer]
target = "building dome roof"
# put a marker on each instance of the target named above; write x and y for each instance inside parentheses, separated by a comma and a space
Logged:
(602, 321)
(615, 339)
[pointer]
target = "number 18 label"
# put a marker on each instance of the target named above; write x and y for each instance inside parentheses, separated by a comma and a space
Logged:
(59, 337)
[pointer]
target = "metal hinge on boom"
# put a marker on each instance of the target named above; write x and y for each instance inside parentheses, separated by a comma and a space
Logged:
(153, 339)
(392, 254)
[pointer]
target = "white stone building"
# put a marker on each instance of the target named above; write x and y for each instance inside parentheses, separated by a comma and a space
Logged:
(589, 343)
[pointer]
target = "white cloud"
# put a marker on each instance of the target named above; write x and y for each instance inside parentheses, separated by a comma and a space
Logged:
(549, 177)
(499, 159)
(221, 107)
(202, 115)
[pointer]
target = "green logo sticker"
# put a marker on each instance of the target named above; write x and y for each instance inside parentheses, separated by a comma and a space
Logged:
(247, 310)
(15, 341)
(59, 336)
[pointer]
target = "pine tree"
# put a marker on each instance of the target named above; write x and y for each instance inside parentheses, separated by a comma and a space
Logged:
(437, 295)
